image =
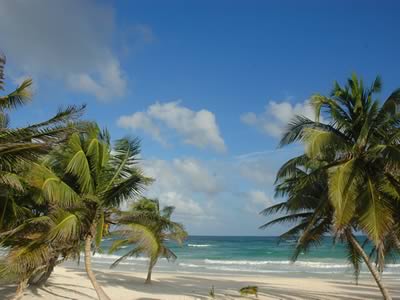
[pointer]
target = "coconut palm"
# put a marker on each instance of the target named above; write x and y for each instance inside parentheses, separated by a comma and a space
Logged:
(359, 145)
(304, 182)
(82, 181)
(147, 228)
(20, 147)
(24, 145)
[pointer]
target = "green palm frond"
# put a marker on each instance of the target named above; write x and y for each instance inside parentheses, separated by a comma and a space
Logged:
(64, 115)
(287, 219)
(168, 254)
(321, 144)
(66, 227)
(354, 258)
(79, 167)
(343, 186)
(11, 180)
(126, 188)
(134, 252)
(291, 167)
(118, 244)
(53, 188)
(276, 208)
(376, 219)
(312, 236)
(21, 95)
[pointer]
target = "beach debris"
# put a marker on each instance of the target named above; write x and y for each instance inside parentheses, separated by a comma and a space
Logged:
(249, 290)
(212, 292)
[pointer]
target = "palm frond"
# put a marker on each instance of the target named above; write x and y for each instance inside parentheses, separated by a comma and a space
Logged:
(21, 95)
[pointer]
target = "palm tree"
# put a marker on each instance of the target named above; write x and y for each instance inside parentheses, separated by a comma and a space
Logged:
(147, 228)
(358, 144)
(24, 145)
(304, 182)
(20, 147)
(82, 182)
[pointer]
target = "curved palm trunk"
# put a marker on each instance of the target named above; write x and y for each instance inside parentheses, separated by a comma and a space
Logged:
(372, 269)
(151, 266)
(41, 277)
(88, 266)
(22, 285)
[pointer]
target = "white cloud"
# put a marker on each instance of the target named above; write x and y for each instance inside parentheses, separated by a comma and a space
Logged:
(110, 82)
(184, 206)
(143, 121)
(257, 171)
(276, 116)
(182, 174)
(183, 183)
(72, 41)
(257, 200)
(197, 176)
(197, 128)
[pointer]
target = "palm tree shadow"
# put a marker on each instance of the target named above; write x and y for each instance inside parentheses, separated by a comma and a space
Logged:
(197, 287)
(7, 291)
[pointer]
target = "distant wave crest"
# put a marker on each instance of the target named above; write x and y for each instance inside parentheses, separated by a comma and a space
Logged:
(199, 245)
(311, 264)
(112, 256)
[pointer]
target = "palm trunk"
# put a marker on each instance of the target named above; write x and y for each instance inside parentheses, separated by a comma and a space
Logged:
(20, 289)
(151, 265)
(42, 276)
(372, 269)
(88, 266)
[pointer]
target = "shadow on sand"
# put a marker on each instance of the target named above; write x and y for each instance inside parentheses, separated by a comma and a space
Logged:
(193, 287)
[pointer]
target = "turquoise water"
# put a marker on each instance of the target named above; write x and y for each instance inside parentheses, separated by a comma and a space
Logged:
(242, 254)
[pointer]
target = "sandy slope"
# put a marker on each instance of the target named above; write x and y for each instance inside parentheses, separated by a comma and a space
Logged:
(68, 283)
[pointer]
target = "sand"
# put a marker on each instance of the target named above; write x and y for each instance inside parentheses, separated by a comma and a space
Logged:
(72, 283)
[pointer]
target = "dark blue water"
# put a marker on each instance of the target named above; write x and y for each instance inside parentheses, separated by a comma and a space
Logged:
(242, 254)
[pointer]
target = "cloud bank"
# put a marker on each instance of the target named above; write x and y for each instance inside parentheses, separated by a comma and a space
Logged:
(72, 41)
(197, 128)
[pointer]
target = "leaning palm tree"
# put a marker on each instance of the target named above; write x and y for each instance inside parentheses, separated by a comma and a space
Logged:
(26, 144)
(20, 147)
(359, 145)
(147, 227)
(304, 184)
(87, 181)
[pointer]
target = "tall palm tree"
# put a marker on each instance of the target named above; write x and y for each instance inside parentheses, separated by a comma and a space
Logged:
(83, 181)
(358, 141)
(147, 228)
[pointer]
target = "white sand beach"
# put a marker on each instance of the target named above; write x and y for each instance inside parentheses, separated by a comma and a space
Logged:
(71, 283)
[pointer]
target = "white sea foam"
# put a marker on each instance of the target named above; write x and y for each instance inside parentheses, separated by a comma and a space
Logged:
(276, 262)
(114, 257)
(189, 265)
(199, 245)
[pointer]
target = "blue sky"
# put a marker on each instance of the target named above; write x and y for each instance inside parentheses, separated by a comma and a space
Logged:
(207, 85)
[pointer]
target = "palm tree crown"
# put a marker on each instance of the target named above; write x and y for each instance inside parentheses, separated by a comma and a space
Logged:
(347, 178)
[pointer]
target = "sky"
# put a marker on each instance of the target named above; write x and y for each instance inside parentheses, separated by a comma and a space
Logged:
(208, 86)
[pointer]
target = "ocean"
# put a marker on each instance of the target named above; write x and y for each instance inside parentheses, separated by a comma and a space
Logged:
(246, 255)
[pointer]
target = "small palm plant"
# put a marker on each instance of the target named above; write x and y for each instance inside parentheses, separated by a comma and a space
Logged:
(147, 228)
